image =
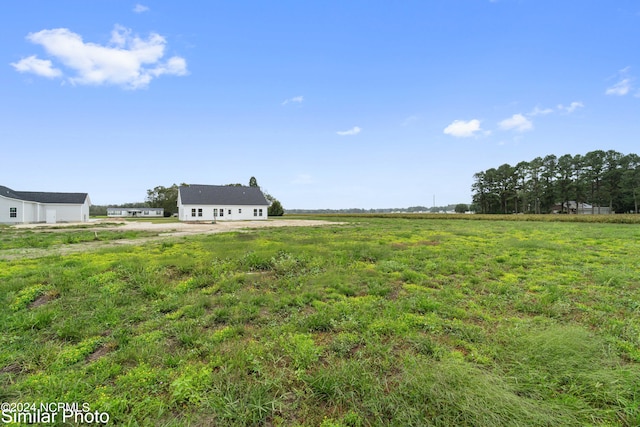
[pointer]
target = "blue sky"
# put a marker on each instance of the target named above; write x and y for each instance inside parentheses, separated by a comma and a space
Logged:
(329, 104)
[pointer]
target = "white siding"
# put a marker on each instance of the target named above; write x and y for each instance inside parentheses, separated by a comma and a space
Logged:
(140, 212)
(69, 213)
(25, 211)
(231, 213)
(37, 212)
(51, 216)
(31, 212)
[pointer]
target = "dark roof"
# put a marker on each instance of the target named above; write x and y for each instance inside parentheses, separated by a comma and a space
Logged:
(43, 197)
(221, 195)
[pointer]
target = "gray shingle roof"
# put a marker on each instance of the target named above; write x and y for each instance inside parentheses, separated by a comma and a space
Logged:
(44, 197)
(221, 195)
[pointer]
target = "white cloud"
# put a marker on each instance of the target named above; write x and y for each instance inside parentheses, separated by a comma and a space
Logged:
(296, 99)
(537, 111)
(174, 65)
(127, 61)
(462, 129)
(139, 8)
(623, 86)
(571, 108)
(353, 131)
(40, 67)
(517, 122)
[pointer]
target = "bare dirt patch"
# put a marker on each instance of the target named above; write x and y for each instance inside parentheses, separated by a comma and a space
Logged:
(101, 351)
(164, 230)
(43, 299)
(13, 368)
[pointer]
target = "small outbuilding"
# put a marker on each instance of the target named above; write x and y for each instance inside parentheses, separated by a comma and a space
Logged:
(135, 212)
(573, 207)
(221, 203)
(21, 207)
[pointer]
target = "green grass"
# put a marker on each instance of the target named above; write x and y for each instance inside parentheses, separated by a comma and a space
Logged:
(379, 321)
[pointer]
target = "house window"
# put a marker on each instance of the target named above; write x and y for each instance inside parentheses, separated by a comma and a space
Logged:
(215, 212)
(229, 212)
(239, 210)
(221, 211)
(255, 212)
(200, 212)
(193, 212)
(13, 212)
(260, 212)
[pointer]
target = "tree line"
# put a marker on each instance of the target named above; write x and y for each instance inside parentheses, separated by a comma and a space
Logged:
(598, 178)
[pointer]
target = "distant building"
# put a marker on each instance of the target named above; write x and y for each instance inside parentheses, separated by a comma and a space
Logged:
(135, 212)
(20, 207)
(580, 208)
(221, 203)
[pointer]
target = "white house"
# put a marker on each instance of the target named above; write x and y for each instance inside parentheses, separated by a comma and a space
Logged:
(135, 212)
(580, 208)
(18, 207)
(221, 203)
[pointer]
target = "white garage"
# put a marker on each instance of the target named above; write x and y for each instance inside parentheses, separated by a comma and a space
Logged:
(20, 207)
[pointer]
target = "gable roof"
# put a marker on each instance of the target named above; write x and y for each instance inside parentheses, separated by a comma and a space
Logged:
(221, 195)
(44, 197)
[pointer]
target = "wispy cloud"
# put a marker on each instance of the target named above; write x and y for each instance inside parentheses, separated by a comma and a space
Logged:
(40, 67)
(139, 8)
(295, 99)
(538, 111)
(463, 129)
(571, 108)
(128, 61)
(409, 120)
(517, 122)
(623, 85)
(621, 88)
(353, 131)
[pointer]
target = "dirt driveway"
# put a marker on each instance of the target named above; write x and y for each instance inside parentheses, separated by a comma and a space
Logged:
(177, 228)
(164, 230)
(186, 228)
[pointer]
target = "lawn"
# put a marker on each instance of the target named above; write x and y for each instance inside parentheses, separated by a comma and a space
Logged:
(376, 321)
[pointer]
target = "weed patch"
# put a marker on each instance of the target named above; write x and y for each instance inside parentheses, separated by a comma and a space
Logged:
(401, 320)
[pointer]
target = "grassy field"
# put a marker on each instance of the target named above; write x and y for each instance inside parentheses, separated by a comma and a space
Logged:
(28, 239)
(405, 321)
